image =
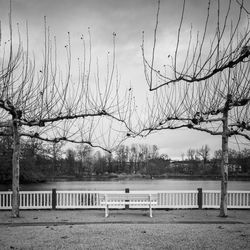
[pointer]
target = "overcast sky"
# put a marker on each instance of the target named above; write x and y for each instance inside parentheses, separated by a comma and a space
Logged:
(127, 18)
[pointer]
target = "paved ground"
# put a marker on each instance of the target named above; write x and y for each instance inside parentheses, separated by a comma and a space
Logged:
(124, 216)
(125, 229)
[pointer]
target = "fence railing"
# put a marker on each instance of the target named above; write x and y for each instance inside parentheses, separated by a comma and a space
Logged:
(235, 199)
(35, 199)
(77, 199)
(57, 199)
(5, 200)
(177, 199)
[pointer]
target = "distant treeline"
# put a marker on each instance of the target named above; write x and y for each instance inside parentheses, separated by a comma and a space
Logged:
(41, 161)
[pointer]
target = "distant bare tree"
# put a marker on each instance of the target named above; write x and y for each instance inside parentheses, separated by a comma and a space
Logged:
(83, 155)
(56, 153)
(191, 154)
(40, 101)
(122, 157)
(182, 156)
(203, 152)
(134, 158)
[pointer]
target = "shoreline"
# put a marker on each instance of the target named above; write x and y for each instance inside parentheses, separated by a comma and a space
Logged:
(146, 177)
(119, 177)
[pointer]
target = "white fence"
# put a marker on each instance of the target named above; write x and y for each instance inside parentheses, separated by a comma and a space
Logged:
(91, 199)
(235, 199)
(177, 199)
(35, 199)
(28, 200)
(5, 200)
(77, 199)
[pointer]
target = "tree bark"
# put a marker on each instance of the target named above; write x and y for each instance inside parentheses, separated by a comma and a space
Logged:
(224, 166)
(15, 169)
(54, 162)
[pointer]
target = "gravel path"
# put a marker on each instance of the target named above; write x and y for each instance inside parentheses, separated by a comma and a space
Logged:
(130, 229)
(125, 236)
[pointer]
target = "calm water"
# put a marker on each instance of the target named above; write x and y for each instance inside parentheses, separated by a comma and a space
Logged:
(138, 184)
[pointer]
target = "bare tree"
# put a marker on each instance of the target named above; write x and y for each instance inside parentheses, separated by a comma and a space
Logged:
(213, 90)
(39, 100)
(182, 156)
(218, 106)
(134, 158)
(122, 157)
(56, 151)
(203, 152)
(191, 154)
(83, 155)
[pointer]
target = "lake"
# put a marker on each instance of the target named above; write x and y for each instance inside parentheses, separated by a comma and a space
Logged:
(134, 184)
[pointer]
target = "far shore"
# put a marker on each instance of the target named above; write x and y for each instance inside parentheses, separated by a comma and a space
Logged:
(123, 176)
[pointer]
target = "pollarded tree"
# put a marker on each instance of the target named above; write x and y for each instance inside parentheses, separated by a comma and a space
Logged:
(219, 106)
(39, 100)
(208, 90)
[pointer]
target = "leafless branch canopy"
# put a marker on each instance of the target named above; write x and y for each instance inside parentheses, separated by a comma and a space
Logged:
(200, 106)
(78, 104)
(222, 44)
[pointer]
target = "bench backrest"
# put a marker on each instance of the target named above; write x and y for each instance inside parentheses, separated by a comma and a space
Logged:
(129, 196)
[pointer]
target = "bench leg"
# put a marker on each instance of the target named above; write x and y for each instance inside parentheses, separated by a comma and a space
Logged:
(106, 211)
(150, 211)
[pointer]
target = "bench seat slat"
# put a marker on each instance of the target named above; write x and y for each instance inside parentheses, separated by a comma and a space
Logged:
(129, 202)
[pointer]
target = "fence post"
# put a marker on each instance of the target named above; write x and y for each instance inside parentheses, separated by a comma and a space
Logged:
(199, 198)
(126, 205)
(53, 198)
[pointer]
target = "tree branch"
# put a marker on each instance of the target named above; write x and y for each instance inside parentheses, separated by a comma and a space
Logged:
(58, 139)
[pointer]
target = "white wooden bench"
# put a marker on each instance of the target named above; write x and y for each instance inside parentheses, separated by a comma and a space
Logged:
(136, 200)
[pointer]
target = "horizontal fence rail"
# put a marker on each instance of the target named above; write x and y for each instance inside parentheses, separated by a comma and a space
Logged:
(57, 199)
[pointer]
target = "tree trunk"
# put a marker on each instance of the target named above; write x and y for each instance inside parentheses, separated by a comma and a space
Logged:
(54, 162)
(15, 170)
(224, 166)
